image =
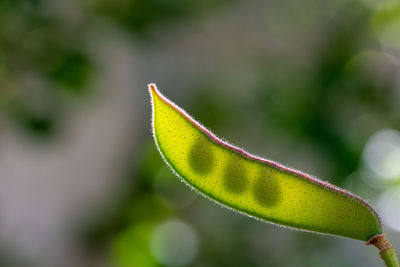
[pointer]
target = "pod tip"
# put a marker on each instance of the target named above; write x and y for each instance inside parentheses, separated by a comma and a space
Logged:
(152, 87)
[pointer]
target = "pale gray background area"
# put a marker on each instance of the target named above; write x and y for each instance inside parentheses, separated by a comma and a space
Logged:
(49, 189)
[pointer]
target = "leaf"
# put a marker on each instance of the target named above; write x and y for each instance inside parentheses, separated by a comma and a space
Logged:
(254, 186)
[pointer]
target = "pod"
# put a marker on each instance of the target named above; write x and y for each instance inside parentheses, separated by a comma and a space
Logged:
(252, 185)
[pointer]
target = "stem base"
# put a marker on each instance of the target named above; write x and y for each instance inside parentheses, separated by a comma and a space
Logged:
(386, 250)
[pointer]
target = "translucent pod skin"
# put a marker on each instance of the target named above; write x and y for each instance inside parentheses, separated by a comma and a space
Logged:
(252, 185)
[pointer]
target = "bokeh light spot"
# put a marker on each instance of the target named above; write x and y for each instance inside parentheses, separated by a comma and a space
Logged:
(382, 154)
(391, 34)
(389, 208)
(385, 23)
(174, 242)
(129, 248)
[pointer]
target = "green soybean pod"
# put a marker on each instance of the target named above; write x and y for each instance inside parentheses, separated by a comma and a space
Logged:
(255, 186)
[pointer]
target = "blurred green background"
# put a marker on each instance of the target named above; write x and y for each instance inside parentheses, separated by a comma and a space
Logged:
(312, 84)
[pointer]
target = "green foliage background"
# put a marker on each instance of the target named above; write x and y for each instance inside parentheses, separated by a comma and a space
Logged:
(304, 83)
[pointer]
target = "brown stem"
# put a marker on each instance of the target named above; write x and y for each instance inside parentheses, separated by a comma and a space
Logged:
(386, 250)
